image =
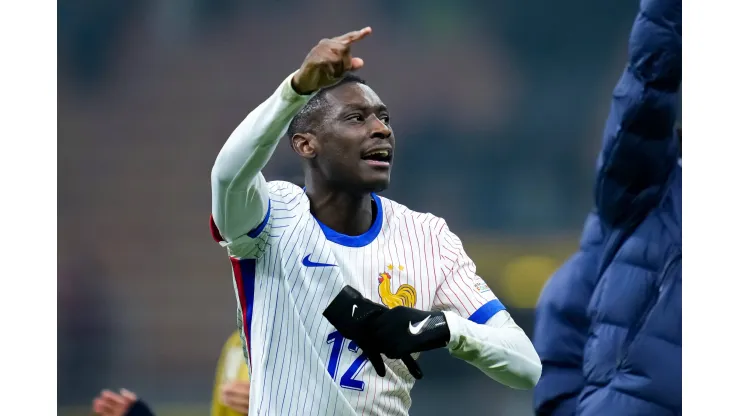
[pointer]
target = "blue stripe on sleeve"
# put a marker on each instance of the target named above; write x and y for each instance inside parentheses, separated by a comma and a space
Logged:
(485, 312)
(256, 232)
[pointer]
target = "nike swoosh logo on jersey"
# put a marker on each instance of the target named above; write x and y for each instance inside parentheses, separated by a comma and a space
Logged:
(353, 309)
(416, 328)
(309, 263)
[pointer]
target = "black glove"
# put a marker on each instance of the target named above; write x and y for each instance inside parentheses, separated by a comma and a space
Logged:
(139, 408)
(352, 315)
(401, 331)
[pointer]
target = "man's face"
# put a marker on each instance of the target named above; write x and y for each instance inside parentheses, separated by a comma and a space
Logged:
(355, 140)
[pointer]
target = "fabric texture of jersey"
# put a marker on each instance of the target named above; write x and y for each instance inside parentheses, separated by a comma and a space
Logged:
(288, 266)
(287, 271)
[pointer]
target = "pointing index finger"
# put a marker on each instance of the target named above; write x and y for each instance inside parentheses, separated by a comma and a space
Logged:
(354, 36)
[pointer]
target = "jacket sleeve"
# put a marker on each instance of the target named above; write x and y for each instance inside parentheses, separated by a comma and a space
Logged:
(640, 147)
(561, 327)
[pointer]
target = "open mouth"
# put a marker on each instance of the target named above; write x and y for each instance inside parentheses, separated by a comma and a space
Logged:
(381, 157)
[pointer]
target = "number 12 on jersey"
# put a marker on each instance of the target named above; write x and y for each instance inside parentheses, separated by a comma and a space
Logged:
(347, 381)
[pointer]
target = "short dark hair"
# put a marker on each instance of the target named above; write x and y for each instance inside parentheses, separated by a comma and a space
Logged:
(302, 122)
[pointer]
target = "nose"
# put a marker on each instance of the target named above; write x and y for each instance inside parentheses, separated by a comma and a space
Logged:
(379, 129)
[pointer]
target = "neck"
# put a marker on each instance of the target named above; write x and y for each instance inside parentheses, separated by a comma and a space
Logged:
(342, 211)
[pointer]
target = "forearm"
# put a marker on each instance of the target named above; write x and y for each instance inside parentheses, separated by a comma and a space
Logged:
(239, 191)
(499, 348)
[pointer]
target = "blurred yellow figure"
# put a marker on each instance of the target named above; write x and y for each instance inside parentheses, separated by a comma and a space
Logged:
(231, 388)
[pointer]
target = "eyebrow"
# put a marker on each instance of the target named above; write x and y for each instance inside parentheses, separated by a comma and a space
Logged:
(362, 107)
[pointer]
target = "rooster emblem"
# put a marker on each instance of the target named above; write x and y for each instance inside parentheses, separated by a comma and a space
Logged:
(404, 296)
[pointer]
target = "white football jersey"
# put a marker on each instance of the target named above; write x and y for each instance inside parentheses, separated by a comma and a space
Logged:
(287, 271)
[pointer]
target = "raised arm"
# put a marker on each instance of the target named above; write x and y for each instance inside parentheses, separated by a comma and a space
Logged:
(239, 195)
(640, 148)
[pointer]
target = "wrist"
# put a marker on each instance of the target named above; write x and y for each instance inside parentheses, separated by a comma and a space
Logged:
(296, 86)
(288, 92)
(444, 330)
(453, 325)
(429, 333)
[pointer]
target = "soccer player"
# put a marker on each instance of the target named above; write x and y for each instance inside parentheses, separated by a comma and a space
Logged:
(398, 281)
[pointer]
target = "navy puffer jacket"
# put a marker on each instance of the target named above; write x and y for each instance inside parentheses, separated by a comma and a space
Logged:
(608, 325)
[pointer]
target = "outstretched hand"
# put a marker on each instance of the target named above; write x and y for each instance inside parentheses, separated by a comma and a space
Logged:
(328, 61)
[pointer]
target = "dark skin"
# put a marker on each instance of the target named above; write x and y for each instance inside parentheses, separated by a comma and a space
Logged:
(339, 173)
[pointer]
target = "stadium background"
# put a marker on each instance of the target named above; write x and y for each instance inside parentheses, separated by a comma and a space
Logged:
(497, 106)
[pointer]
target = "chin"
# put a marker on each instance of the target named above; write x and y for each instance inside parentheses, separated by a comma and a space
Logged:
(377, 184)
(381, 187)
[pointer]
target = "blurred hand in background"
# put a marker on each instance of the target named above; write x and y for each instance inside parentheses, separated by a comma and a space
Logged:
(109, 403)
(235, 394)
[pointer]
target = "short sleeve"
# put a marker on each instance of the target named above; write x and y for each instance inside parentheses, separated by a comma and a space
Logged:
(462, 291)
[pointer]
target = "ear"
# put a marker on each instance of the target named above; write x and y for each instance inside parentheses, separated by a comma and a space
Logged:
(305, 144)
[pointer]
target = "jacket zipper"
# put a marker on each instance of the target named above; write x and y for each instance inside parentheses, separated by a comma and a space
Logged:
(654, 298)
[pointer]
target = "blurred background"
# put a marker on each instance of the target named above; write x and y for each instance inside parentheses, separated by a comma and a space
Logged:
(497, 106)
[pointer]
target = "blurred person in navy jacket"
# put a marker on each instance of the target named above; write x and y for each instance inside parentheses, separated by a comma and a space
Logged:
(608, 323)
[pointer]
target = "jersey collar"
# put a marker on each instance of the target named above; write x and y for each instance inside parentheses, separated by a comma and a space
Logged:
(356, 240)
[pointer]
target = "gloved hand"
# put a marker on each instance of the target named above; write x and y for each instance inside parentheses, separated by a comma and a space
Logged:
(400, 331)
(352, 315)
